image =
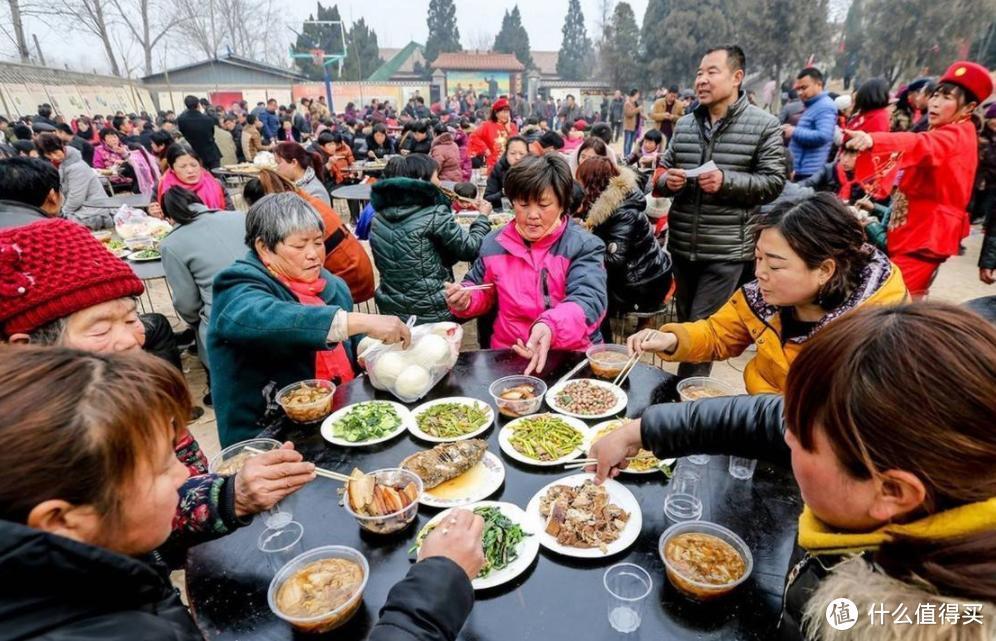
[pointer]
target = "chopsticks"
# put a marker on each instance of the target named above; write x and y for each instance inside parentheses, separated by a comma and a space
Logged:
(473, 288)
(319, 471)
(574, 465)
(577, 368)
(627, 368)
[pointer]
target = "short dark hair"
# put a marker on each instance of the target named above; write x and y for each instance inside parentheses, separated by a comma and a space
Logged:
(161, 138)
(533, 175)
(177, 151)
(177, 202)
(654, 135)
(191, 102)
(419, 126)
(395, 167)
(467, 190)
(420, 166)
(250, 119)
(811, 72)
(27, 180)
(604, 131)
(633, 92)
(24, 147)
(64, 128)
(108, 131)
(736, 59)
(551, 139)
(817, 228)
(872, 94)
(959, 92)
(45, 110)
(49, 143)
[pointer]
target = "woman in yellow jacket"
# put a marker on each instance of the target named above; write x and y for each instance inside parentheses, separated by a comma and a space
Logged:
(812, 266)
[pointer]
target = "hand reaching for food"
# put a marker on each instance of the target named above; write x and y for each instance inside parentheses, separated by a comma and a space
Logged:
(268, 477)
(651, 340)
(613, 449)
(457, 298)
(458, 538)
(536, 349)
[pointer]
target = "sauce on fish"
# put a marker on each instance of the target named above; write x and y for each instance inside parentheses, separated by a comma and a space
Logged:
(461, 486)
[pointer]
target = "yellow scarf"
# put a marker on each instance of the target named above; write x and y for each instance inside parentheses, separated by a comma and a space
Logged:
(816, 537)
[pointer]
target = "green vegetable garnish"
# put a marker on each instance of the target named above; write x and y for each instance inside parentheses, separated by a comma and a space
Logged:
(146, 253)
(500, 540)
(451, 420)
(545, 438)
(366, 422)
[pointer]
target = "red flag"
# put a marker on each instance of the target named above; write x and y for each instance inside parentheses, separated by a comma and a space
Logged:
(877, 172)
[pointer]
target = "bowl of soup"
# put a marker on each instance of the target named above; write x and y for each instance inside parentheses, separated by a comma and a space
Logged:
(607, 361)
(703, 560)
(307, 401)
(321, 589)
(695, 388)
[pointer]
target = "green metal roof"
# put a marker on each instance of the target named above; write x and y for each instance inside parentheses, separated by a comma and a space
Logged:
(384, 72)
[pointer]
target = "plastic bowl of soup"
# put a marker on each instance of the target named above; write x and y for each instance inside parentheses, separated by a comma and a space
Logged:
(321, 589)
(307, 401)
(703, 560)
(517, 396)
(231, 459)
(607, 361)
(694, 388)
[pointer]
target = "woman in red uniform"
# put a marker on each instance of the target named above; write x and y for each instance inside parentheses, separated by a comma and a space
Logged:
(929, 216)
(491, 137)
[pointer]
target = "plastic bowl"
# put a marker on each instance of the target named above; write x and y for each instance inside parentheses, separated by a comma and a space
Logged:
(230, 460)
(397, 521)
(333, 618)
(308, 412)
(607, 361)
(521, 407)
(694, 388)
(696, 589)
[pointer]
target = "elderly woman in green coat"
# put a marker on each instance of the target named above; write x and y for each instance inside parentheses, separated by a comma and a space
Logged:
(416, 240)
(279, 317)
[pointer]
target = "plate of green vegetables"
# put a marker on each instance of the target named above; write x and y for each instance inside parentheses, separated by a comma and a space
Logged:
(543, 439)
(366, 423)
(451, 419)
(510, 541)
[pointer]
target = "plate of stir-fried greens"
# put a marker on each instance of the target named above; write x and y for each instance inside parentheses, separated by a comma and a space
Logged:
(509, 540)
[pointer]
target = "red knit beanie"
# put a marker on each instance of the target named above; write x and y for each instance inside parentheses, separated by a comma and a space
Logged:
(54, 268)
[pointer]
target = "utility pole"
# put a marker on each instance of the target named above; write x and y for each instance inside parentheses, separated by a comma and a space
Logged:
(41, 56)
(22, 44)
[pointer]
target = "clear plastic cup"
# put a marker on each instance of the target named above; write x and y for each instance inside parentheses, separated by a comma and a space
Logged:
(281, 544)
(683, 502)
(742, 468)
(628, 586)
(231, 459)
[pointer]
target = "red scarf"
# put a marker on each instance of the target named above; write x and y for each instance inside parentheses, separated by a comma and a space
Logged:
(207, 188)
(330, 365)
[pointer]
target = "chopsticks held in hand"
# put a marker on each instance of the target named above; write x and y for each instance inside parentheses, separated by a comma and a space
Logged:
(585, 462)
(319, 471)
(627, 368)
(472, 288)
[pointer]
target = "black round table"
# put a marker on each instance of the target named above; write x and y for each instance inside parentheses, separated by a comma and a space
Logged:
(557, 597)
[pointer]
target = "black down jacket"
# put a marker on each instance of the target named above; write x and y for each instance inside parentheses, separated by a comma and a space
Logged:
(639, 271)
(747, 147)
(416, 240)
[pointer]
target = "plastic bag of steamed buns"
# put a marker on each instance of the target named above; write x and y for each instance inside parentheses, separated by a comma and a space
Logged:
(410, 374)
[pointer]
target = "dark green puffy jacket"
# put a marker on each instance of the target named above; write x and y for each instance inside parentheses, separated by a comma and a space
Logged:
(416, 241)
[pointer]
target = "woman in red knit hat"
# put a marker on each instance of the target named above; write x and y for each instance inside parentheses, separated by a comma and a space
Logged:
(929, 216)
(492, 136)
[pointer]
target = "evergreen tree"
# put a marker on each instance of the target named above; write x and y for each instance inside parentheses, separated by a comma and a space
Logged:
(621, 50)
(444, 36)
(513, 38)
(362, 52)
(688, 31)
(849, 51)
(984, 47)
(576, 57)
(327, 37)
(655, 49)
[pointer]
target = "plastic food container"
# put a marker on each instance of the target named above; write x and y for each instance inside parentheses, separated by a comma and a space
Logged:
(397, 521)
(698, 387)
(231, 459)
(333, 618)
(307, 412)
(689, 586)
(607, 361)
(520, 407)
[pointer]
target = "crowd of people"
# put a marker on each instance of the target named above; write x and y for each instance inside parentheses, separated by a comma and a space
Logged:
(810, 237)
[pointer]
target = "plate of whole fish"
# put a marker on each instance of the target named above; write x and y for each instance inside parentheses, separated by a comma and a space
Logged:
(456, 474)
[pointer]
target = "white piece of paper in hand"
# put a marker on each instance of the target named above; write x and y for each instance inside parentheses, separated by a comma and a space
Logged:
(703, 169)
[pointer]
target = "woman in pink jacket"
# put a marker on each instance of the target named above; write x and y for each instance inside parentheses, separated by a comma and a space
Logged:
(445, 151)
(547, 274)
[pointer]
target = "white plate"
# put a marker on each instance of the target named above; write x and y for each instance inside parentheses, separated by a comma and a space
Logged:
(492, 476)
(133, 258)
(505, 435)
(462, 400)
(618, 495)
(528, 548)
(599, 427)
(403, 414)
(618, 408)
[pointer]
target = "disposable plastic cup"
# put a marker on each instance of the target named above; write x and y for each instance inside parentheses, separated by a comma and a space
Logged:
(742, 468)
(628, 586)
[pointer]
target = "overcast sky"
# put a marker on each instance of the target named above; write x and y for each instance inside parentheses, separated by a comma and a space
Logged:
(396, 22)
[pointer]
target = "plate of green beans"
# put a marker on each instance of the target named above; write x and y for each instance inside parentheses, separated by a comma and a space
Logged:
(543, 439)
(451, 419)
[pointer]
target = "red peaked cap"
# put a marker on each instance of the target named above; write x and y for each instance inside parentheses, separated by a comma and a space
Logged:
(971, 76)
(54, 268)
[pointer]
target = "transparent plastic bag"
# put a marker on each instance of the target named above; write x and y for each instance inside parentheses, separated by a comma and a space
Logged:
(131, 223)
(410, 374)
